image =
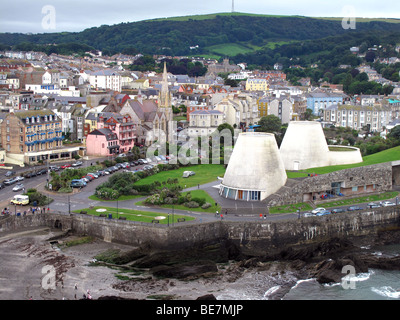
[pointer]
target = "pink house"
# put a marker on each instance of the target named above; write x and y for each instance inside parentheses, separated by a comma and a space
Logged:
(119, 132)
(102, 142)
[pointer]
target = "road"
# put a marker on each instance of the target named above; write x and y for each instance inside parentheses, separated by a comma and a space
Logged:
(79, 199)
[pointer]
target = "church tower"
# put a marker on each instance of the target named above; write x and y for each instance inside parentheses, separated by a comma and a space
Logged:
(164, 99)
(164, 106)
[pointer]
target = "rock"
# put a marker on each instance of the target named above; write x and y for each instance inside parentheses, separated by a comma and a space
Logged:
(185, 270)
(207, 297)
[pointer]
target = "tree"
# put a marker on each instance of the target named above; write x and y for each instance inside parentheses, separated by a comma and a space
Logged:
(308, 115)
(270, 123)
(370, 56)
(395, 133)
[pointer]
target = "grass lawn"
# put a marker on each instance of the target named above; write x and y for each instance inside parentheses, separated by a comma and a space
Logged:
(229, 49)
(195, 194)
(392, 154)
(121, 198)
(358, 200)
(135, 215)
(204, 173)
(290, 208)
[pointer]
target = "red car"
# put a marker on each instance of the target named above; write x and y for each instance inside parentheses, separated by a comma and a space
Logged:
(65, 166)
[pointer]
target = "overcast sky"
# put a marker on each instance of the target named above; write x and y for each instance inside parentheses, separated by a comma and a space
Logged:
(36, 16)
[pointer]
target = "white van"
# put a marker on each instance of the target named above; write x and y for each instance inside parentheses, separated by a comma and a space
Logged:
(187, 174)
(20, 199)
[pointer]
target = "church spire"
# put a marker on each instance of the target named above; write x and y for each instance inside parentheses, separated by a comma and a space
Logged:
(164, 95)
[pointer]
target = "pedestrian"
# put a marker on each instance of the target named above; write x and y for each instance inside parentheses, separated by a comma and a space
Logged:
(222, 217)
(216, 213)
(198, 186)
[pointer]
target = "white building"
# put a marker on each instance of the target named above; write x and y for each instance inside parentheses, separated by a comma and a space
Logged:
(105, 79)
(204, 122)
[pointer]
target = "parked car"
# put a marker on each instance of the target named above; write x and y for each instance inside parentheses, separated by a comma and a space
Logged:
(121, 155)
(41, 171)
(78, 183)
(2, 185)
(30, 174)
(338, 210)
(308, 214)
(54, 168)
(354, 208)
(187, 174)
(65, 166)
(19, 178)
(20, 200)
(315, 211)
(18, 187)
(77, 164)
(10, 181)
(323, 213)
(107, 171)
(388, 204)
(373, 205)
(93, 175)
(9, 173)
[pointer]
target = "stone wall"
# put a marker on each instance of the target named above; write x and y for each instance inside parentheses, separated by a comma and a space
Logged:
(379, 175)
(258, 236)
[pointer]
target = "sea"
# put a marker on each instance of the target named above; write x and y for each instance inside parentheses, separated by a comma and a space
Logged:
(376, 284)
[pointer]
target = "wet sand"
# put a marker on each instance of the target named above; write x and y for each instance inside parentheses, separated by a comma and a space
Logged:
(25, 255)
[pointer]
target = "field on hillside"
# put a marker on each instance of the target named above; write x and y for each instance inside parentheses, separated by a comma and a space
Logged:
(392, 154)
(204, 173)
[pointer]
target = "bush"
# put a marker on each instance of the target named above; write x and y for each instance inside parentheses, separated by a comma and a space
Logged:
(107, 194)
(154, 199)
(206, 205)
(192, 204)
(65, 190)
(200, 201)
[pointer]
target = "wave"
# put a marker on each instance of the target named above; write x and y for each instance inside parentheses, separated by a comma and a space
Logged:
(302, 281)
(387, 291)
(271, 291)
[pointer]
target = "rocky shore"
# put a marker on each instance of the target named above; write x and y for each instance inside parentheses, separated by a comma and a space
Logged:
(210, 271)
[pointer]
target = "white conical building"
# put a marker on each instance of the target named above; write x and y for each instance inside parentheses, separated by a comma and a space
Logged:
(255, 169)
(304, 146)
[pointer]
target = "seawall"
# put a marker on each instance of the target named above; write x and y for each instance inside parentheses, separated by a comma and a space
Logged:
(256, 236)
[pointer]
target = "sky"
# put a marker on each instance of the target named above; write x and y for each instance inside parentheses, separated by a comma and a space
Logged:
(42, 16)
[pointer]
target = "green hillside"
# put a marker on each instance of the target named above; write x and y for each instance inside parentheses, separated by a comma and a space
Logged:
(241, 33)
(388, 155)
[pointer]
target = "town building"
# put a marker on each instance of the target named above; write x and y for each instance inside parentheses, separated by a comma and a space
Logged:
(257, 84)
(372, 118)
(114, 134)
(33, 136)
(204, 122)
(319, 100)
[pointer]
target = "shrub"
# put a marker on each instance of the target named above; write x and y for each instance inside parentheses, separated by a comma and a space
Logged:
(107, 193)
(66, 190)
(200, 201)
(154, 199)
(206, 205)
(192, 204)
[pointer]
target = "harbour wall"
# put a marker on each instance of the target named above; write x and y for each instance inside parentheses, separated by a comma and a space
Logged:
(257, 236)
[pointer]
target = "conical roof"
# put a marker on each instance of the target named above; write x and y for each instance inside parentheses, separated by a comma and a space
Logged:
(255, 164)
